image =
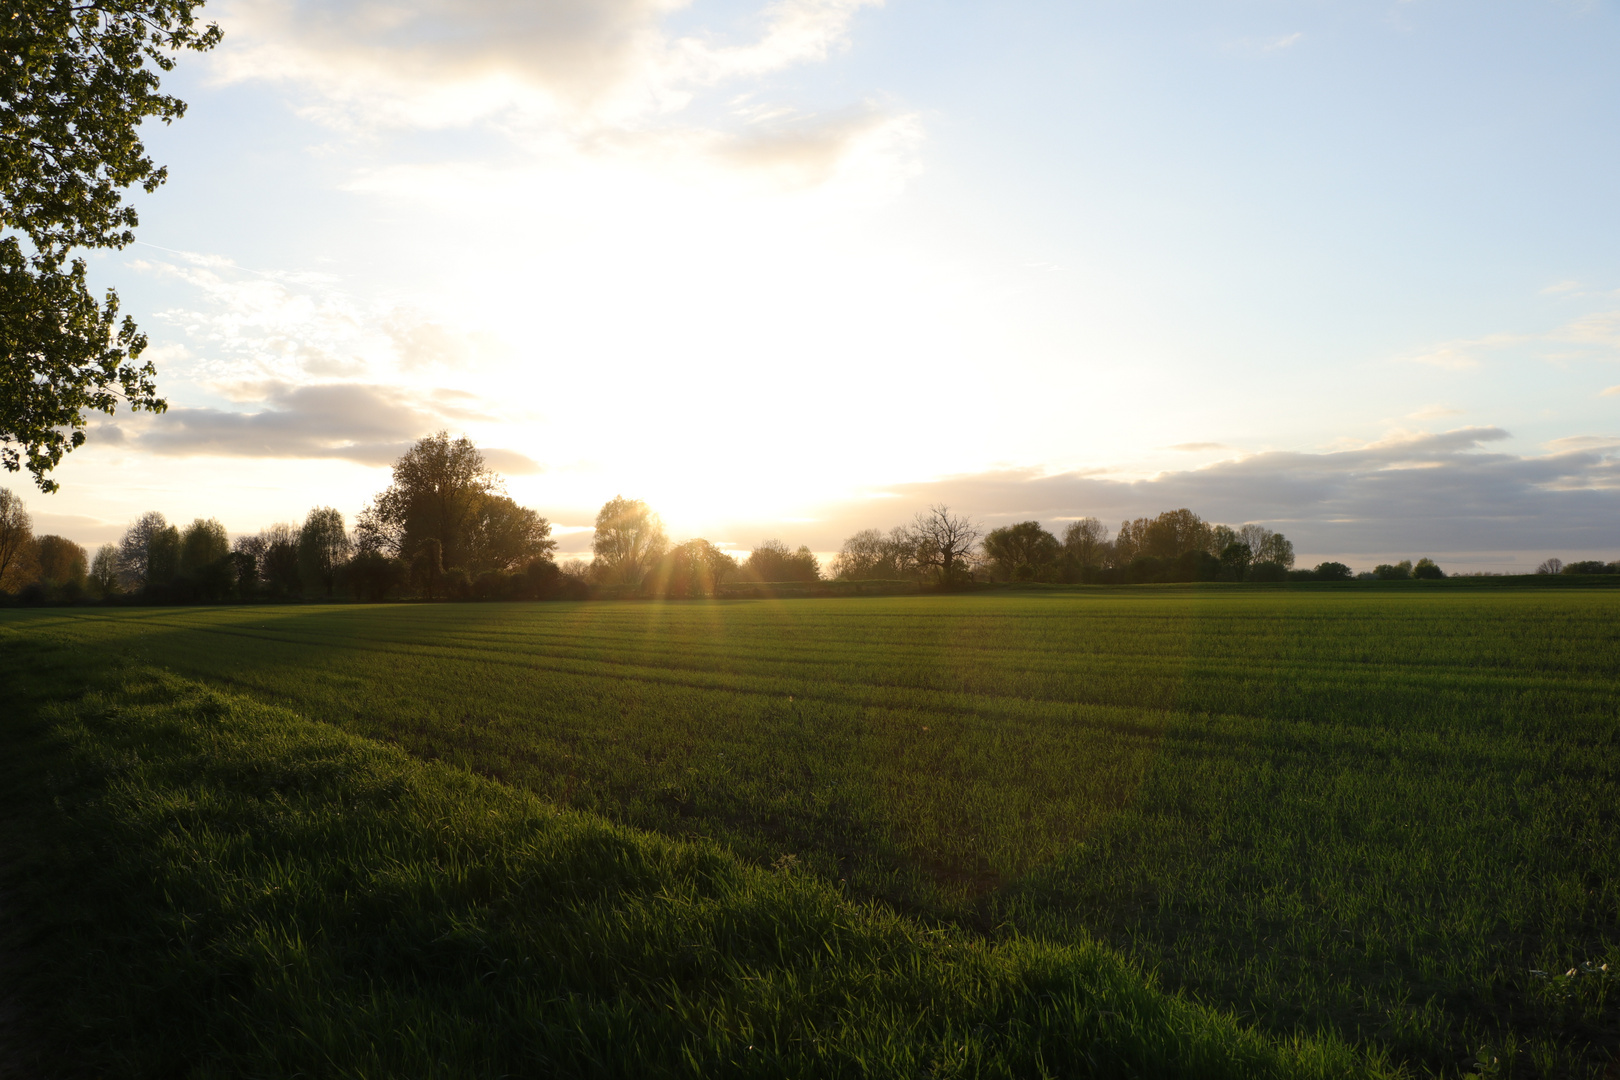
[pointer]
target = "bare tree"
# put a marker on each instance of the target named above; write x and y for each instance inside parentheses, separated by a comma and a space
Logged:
(944, 541)
(1086, 542)
(1551, 566)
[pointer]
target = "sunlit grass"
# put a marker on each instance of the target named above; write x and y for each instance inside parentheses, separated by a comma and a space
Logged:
(1374, 815)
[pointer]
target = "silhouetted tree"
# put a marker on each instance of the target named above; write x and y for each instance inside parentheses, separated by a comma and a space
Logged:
(278, 568)
(502, 535)
(870, 555)
(104, 580)
(771, 561)
(1551, 566)
(1393, 572)
(1235, 559)
(1427, 569)
(62, 563)
(695, 568)
(944, 541)
(1332, 571)
(1086, 547)
(135, 548)
(162, 557)
(323, 544)
(16, 539)
(427, 567)
(371, 575)
(629, 539)
(438, 487)
(1022, 552)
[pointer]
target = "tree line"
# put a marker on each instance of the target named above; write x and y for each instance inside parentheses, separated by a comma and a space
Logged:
(445, 528)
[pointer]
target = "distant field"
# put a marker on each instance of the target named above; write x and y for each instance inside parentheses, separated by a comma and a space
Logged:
(1376, 815)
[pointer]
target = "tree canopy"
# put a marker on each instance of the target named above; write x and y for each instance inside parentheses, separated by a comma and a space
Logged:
(629, 538)
(443, 491)
(76, 82)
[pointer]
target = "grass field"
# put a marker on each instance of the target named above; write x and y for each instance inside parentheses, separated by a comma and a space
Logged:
(1313, 818)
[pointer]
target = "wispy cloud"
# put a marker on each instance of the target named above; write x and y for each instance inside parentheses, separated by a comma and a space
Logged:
(1464, 354)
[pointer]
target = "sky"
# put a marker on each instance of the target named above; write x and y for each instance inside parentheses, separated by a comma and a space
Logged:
(793, 269)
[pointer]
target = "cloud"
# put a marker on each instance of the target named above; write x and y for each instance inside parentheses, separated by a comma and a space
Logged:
(1463, 355)
(1286, 41)
(363, 423)
(580, 64)
(1609, 391)
(1416, 492)
(1598, 328)
(1198, 447)
(1432, 412)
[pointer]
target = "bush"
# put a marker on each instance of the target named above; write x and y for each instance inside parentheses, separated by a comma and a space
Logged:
(371, 576)
(1267, 571)
(1591, 566)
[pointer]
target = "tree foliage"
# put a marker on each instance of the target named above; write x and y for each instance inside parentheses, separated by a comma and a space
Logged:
(1022, 552)
(774, 561)
(323, 545)
(443, 491)
(77, 79)
(629, 538)
(695, 568)
(16, 536)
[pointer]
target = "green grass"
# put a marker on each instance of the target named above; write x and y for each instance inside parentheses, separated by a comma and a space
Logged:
(1364, 817)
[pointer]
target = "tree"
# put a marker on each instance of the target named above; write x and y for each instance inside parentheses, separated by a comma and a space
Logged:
(1085, 543)
(695, 568)
(163, 557)
(1551, 566)
(438, 487)
(77, 79)
(869, 555)
(323, 544)
(503, 535)
(202, 546)
(427, 567)
(134, 548)
(16, 535)
(1235, 559)
(1427, 569)
(943, 542)
(278, 568)
(1275, 548)
(1174, 533)
(629, 538)
(1022, 552)
(1332, 571)
(371, 575)
(1398, 572)
(104, 571)
(62, 563)
(771, 561)
(862, 557)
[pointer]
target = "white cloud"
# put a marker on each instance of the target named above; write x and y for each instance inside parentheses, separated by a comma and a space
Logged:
(580, 65)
